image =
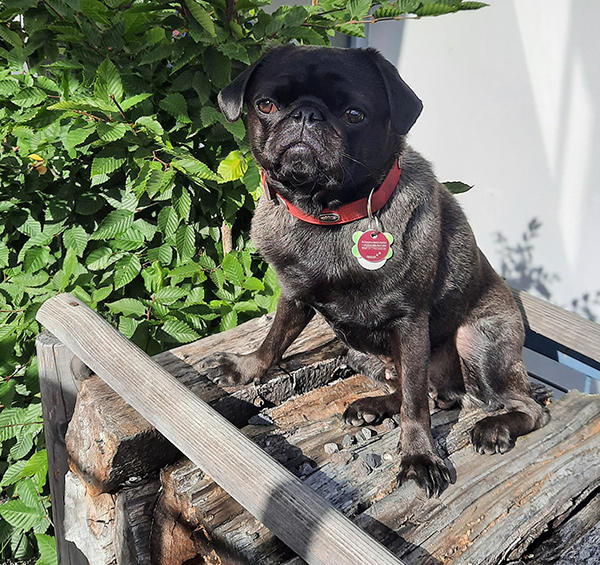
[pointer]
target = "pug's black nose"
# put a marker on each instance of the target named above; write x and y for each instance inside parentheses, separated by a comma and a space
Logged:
(307, 114)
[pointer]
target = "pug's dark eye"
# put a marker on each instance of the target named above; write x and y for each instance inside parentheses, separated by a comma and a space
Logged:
(354, 116)
(267, 106)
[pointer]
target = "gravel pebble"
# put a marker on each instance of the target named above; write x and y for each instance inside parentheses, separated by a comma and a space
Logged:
(373, 460)
(359, 438)
(348, 440)
(331, 448)
(389, 424)
(368, 433)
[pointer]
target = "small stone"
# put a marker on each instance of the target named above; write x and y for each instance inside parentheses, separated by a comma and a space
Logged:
(367, 433)
(389, 424)
(331, 448)
(359, 438)
(387, 456)
(373, 460)
(362, 467)
(258, 402)
(348, 440)
(396, 418)
(260, 420)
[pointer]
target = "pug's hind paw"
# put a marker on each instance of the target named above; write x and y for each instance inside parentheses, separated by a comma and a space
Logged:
(371, 409)
(231, 369)
(492, 435)
(427, 470)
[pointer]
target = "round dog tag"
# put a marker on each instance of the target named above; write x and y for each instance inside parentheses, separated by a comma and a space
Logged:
(372, 248)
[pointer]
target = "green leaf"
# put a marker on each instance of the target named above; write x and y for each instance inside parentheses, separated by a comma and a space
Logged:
(457, 187)
(116, 223)
(99, 258)
(185, 241)
(47, 549)
(175, 105)
(233, 166)
(150, 124)
(359, 8)
(170, 294)
(232, 269)
(168, 221)
(194, 168)
(229, 320)
(252, 283)
(37, 468)
(180, 330)
(202, 16)
(218, 68)
(110, 131)
(29, 97)
(19, 515)
(134, 100)
(76, 238)
(108, 82)
(77, 134)
(13, 473)
(126, 269)
(35, 259)
(106, 162)
(127, 307)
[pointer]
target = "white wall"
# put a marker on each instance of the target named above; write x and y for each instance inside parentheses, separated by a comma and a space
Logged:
(512, 105)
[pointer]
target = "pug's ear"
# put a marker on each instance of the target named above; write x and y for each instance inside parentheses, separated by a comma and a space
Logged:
(231, 98)
(405, 106)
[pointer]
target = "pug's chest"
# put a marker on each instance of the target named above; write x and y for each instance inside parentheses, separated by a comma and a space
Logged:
(321, 268)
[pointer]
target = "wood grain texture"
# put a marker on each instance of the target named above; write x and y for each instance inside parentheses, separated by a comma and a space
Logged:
(498, 508)
(566, 328)
(60, 378)
(304, 521)
(109, 442)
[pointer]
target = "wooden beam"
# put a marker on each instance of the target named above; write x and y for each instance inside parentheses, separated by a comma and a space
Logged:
(60, 374)
(298, 516)
(566, 328)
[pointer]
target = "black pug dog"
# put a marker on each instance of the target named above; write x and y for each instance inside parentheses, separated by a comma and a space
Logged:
(358, 229)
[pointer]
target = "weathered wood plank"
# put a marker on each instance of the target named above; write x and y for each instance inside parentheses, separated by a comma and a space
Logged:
(108, 441)
(303, 520)
(60, 376)
(563, 327)
(498, 507)
(500, 503)
(573, 541)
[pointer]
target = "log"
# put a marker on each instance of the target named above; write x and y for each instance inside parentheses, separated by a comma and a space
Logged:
(304, 521)
(109, 442)
(498, 508)
(111, 529)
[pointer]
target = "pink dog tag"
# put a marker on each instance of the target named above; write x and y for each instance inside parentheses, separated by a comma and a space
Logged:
(372, 248)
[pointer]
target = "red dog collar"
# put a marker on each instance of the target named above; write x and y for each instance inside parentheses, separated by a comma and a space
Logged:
(349, 212)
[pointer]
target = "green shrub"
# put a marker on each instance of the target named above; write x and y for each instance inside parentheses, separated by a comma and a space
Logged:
(122, 183)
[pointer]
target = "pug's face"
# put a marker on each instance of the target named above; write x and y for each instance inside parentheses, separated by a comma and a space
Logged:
(324, 124)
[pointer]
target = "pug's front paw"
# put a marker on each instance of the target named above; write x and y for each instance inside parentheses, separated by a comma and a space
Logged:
(231, 369)
(428, 470)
